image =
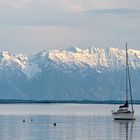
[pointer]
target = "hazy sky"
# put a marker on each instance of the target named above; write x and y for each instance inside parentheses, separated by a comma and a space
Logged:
(34, 25)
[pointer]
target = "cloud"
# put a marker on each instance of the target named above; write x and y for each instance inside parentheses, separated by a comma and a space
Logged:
(72, 13)
(85, 5)
(116, 11)
(31, 39)
(72, 5)
(38, 24)
(15, 3)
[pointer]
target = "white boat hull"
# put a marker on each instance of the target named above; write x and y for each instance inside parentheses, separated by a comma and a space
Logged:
(123, 116)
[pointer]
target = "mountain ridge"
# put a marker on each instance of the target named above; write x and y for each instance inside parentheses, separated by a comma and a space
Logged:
(68, 74)
(98, 58)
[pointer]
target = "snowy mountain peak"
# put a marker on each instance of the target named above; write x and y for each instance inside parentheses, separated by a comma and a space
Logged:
(74, 49)
(97, 58)
(5, 55)
(71, 58)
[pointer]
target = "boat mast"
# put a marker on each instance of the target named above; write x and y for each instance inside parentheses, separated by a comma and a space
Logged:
(126, 75)
(129, 80)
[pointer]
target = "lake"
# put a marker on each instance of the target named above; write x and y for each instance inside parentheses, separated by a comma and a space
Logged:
(73, 122)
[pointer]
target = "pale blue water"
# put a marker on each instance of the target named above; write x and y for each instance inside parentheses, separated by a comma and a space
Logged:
(73, 122)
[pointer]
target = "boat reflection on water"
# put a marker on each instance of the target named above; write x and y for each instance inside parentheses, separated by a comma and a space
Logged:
(124, 128)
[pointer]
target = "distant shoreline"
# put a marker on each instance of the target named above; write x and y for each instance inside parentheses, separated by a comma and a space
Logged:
(18, 101)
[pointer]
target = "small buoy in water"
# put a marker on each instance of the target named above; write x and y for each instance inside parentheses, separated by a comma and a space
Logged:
(54, 124)
(31, 119)
(23, 121)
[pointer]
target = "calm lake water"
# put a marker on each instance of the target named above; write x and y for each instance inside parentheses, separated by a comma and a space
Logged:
(73, 122)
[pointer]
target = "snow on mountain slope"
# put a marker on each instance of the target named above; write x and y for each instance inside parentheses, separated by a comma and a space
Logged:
(70, 74)
(30, 70)
(8, 59)
(97, 58)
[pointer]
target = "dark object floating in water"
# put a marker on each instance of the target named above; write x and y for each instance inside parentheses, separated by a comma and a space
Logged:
(31, 119)
(54, 124)
(23, 121)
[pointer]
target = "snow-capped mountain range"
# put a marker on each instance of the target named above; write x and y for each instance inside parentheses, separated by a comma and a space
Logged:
(70, 74)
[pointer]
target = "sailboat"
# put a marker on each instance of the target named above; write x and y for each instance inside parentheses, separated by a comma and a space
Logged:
(125, 112)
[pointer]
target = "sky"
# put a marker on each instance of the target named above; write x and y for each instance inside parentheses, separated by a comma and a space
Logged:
(30, 26)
